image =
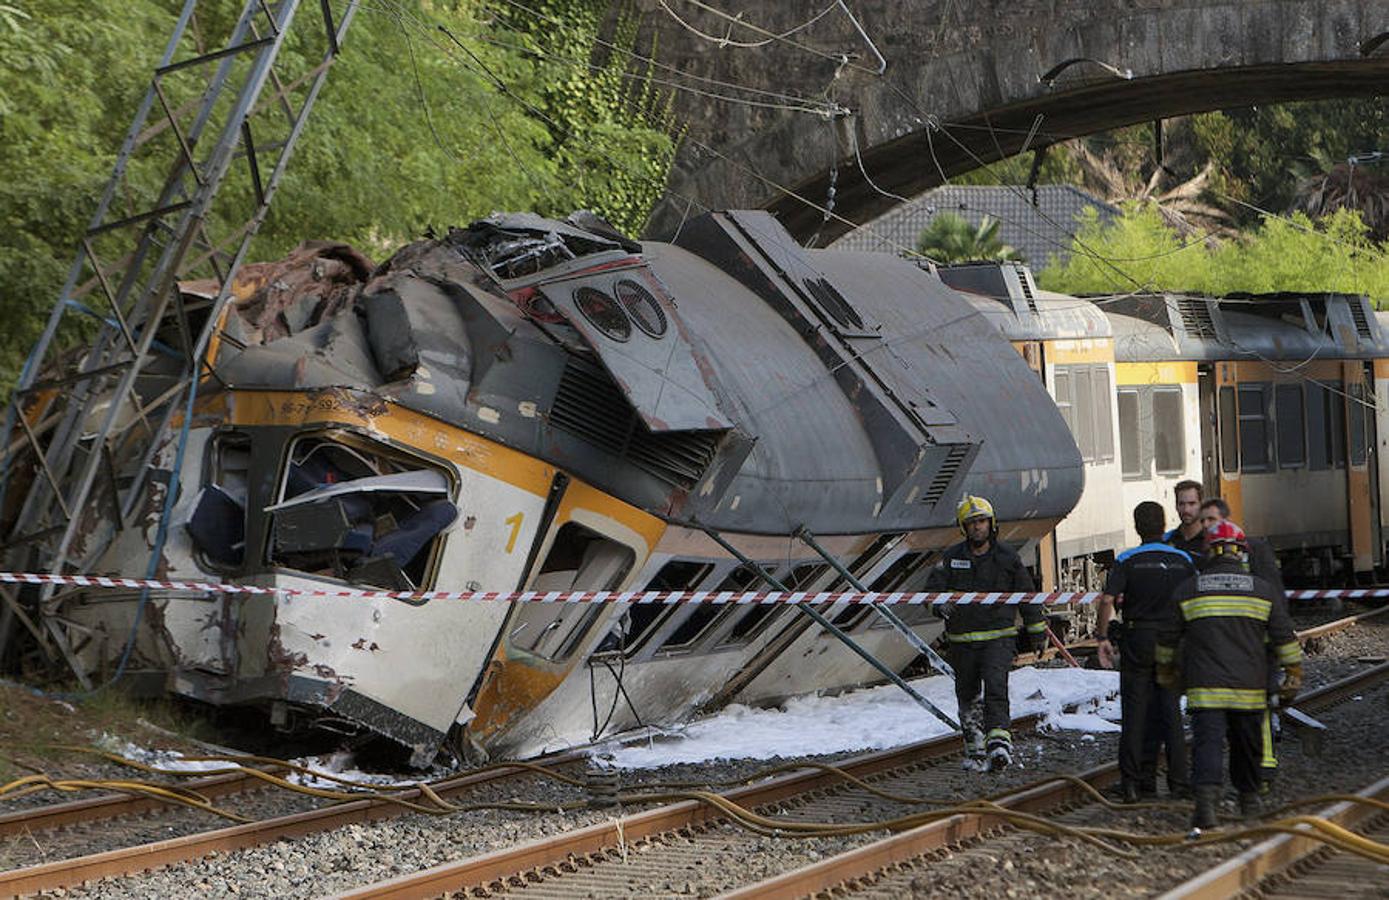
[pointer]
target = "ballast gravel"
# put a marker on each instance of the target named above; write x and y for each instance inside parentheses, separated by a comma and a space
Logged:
(359, 854)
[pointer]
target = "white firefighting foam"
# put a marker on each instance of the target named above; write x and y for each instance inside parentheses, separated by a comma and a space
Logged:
(872, 719)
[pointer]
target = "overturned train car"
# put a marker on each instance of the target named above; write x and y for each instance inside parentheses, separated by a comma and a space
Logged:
(528, 403)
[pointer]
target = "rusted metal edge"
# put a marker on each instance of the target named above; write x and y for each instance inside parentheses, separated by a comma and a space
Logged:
(1340, 624)
(510, 861)
(1275, 854)
(110, 806)
(908, 845)
(1336, 691)
(130, 860)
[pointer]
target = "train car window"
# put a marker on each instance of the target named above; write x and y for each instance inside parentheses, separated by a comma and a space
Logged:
(1085, 413)
(1169, 437)
(1131, 435)
(1065, 398)
(580, 559)
(705, 615)
(1318, 422)
(355, 510)
(1103, 425)
(676, 575)
(1336, 425)
(1356, 404)
(1292, 428)
(218, 523)
(1255, 455)
(1229, 431)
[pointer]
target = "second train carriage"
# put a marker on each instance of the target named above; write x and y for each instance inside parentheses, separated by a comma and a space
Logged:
(1276, 403)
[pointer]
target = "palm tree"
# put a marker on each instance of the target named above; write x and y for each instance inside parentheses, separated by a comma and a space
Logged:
(951, 239)
(1348, 186)
(1182, 205)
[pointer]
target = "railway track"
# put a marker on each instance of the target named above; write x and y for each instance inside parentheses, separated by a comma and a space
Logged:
(633, 855)
(142, 857)
(145, 856)
(1290, 865)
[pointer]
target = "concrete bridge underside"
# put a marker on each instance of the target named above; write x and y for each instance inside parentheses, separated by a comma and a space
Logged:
(964, 85)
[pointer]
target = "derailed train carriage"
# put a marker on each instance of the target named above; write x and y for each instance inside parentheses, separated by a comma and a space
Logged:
(528, 403)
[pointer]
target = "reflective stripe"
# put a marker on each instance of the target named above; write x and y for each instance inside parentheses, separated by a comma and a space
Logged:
(1037, 627)
(1269, 761)
(1165, 654)
(1290, 652)
(1000, 734)
(1226, 606)
(1248, 699)
(967, 637)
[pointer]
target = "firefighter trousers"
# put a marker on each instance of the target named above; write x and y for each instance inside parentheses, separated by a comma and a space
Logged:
(983, 665)
(1209, 730)
(1151, 717)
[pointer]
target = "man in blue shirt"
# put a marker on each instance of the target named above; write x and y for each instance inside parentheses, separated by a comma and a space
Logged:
(1142, 582)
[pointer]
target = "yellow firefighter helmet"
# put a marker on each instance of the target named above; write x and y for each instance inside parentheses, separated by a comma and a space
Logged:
(972, 507)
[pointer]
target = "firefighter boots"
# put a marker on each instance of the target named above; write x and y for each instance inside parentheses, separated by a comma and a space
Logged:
(1000, 749)
(1250, 806)
(1207, 798)
(975, 759)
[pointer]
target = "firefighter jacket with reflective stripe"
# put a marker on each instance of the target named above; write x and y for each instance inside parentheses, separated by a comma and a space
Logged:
(1000, 569)
(1223, 623)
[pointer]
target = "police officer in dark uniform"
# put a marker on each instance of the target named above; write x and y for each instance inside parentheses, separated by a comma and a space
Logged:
(1224, 620)
(1263, 562)
(1145, 578)
(983, 638)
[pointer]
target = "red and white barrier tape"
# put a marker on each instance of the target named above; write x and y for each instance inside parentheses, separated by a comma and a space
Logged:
(662, 597)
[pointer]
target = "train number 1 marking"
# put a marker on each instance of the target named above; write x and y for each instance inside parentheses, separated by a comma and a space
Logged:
(515, 523)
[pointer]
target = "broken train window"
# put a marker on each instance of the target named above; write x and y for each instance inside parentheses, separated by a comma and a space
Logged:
(350, 508)
(218, 523)
(580, 559)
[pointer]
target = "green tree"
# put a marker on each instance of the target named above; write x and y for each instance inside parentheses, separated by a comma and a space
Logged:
(416, 127)
(951, 239)
(1139, 252)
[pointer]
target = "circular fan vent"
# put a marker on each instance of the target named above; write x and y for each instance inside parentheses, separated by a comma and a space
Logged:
(603, 312)
(642, 307)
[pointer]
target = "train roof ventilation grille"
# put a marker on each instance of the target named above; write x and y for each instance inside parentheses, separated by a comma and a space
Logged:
(1362, 322)
(946, 474)
(590, 406)
(1196, 318)
(1025, 283)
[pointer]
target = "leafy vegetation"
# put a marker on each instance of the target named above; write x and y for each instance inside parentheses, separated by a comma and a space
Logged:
(435, 115)
(1140, 251)
(951, 239)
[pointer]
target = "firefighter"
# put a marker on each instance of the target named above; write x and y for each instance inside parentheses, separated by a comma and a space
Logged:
(983, 638)
(1264, 564)
(1223, 619)
(1145, 578)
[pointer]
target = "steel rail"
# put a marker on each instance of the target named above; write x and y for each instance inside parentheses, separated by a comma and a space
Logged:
(908, 845)
(501, 864)
(143, 857)
(111, 806)
(1340, 624)
(1278, 853)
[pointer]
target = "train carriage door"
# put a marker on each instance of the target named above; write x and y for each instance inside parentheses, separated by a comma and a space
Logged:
(1227, 431)
(591, 542)
(1210, 433)
(1033, 353)
(1359, 468)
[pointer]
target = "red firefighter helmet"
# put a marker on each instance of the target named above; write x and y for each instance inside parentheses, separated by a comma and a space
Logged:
(1226, 537)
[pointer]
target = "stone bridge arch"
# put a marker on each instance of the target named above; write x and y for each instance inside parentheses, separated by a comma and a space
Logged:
(967, 81)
